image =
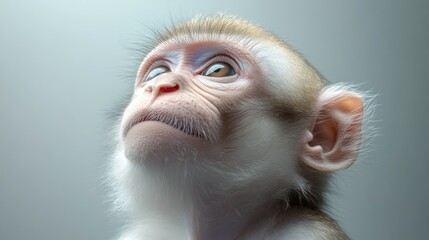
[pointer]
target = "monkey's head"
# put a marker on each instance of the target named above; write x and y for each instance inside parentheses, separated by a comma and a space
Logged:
(222, 97)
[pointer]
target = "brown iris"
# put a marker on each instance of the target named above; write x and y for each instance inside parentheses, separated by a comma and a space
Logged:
(219, 69)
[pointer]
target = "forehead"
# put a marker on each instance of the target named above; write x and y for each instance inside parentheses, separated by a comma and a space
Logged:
(203, 43)
(228, 31)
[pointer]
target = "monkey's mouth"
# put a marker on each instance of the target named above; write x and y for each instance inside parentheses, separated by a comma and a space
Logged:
(182, 124)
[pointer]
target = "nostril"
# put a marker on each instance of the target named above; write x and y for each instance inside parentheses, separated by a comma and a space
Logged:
(165, 89)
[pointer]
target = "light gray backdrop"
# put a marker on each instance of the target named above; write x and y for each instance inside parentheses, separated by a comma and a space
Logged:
(61, 64)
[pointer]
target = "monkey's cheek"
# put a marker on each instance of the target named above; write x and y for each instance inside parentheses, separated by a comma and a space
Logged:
(153, 141)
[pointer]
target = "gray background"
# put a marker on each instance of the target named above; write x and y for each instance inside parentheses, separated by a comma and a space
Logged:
(62, 65)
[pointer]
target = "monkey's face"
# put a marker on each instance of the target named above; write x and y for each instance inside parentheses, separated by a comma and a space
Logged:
(182, 96)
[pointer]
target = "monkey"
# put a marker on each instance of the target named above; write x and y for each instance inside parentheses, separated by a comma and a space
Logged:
(231, 134)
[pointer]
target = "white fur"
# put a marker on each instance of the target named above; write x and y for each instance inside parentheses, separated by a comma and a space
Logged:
(225, 187)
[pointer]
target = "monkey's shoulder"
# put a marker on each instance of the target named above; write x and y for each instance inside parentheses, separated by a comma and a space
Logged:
(297, 224)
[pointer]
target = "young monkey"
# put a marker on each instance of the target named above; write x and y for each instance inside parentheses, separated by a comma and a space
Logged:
(231, 134)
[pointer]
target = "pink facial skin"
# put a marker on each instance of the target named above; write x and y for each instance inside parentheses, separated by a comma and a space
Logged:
(231, 134)
(186, 105)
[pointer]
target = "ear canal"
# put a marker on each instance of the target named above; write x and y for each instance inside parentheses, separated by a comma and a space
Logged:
(333, 142)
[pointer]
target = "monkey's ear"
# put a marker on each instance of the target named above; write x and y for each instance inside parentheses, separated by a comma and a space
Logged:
(333, 142)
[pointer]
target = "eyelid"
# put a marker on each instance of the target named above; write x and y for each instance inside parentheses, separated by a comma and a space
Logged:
(155, 64)
(220, 58)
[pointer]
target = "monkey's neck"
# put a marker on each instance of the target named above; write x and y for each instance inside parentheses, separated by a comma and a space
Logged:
(190, 213)
(218, 218)
(225, 219)
(197, 205)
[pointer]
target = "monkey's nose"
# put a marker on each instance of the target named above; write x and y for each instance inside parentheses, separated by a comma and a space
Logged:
(168, 88)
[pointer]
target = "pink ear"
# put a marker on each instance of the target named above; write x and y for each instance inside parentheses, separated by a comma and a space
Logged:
(333, 142)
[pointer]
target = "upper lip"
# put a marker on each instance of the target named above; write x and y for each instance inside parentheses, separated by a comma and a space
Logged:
(173, 121)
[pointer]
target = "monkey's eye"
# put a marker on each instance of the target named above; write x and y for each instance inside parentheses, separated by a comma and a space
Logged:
(219, 69)
(157, 71)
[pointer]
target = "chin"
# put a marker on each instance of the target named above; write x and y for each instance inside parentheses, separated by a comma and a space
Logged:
(157, 141)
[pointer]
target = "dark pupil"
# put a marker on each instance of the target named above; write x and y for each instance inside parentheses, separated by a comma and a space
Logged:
(219, 70)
